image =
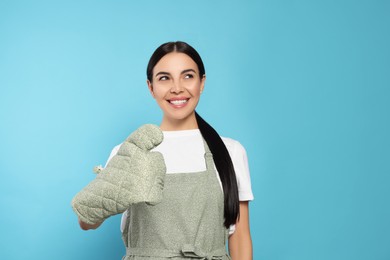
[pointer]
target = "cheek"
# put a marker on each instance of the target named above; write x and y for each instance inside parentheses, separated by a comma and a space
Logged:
(158, 92)
(194, 88)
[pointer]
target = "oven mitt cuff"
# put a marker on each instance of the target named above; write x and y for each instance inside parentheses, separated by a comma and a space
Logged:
(133, 175)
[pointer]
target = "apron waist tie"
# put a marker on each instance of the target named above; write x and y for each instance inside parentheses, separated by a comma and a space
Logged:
(187, 250)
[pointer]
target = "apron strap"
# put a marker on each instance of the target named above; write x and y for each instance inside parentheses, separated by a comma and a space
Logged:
(208, 156)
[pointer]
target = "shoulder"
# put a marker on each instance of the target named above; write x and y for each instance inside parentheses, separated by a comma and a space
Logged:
(234, 147)
(114, 151)
(240, 163)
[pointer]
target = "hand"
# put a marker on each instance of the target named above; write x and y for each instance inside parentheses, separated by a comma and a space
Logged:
(133, 175)
(85, 226)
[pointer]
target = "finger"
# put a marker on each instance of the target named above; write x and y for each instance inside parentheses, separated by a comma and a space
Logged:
(146, 137)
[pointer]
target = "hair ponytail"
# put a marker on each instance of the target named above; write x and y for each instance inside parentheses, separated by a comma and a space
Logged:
(224, 165)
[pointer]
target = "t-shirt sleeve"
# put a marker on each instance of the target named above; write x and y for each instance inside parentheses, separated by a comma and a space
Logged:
(241, 167)
(113, 153)
(240, 163)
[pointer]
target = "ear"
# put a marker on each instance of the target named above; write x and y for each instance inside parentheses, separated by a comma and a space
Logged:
(203, 80)
(150, 87)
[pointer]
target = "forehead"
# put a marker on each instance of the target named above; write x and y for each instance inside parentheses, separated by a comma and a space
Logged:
(175, 62)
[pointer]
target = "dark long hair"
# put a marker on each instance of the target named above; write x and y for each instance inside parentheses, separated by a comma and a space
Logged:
(221, 156)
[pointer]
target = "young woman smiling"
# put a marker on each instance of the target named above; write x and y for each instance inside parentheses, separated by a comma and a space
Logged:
(176, 85)
(207, 186)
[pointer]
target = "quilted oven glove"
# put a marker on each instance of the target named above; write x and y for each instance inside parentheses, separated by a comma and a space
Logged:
(133, 175)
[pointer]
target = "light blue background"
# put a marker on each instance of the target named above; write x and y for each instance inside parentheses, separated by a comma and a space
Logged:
(303, 85)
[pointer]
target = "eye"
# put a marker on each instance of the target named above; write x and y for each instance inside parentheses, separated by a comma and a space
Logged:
(163, 78)
(188, 76)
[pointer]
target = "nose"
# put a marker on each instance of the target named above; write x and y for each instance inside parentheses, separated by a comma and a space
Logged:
(176, 87)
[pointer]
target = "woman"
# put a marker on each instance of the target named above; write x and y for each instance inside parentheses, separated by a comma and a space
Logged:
(203, 203)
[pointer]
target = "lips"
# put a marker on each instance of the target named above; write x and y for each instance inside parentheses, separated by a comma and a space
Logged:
(178, 102)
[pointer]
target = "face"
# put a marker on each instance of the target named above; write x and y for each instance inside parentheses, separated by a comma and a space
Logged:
(176, 86)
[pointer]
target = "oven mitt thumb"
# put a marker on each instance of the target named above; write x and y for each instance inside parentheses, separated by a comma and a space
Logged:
(133, 175)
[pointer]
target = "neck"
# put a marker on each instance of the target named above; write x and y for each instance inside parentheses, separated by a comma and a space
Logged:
(179, 124)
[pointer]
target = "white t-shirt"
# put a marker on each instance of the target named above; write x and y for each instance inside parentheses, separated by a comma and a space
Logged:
(183, 151)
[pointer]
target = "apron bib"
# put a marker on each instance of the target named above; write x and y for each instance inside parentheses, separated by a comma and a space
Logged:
(188, 223)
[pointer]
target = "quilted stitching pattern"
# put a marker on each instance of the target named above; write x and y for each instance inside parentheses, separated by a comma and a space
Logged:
(133, 175)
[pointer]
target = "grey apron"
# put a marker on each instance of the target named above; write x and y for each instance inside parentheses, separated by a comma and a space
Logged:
(187, 224)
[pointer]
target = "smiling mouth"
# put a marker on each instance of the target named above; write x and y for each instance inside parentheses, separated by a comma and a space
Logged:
(178, 102)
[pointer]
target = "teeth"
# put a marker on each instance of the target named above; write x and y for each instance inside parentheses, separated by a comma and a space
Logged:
(178, 102)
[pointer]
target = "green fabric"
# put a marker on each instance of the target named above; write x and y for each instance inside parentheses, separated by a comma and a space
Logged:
(187, 224)
(133, 175)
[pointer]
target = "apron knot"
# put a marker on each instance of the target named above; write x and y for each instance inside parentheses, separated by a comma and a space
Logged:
(196, 252)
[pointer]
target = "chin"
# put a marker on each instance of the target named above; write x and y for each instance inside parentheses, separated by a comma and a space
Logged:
(179, 116)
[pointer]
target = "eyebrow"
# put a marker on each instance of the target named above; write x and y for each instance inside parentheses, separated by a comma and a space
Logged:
(167, 73)
(188, 70)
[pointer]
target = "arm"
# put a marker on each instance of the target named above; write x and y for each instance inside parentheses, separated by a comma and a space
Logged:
(86, 226)
(133, 175)
(240, 242)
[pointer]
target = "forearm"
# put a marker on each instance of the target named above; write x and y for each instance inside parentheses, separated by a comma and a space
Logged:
(85, 226)
(240, 247)
(135, 174)
(240, 242)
